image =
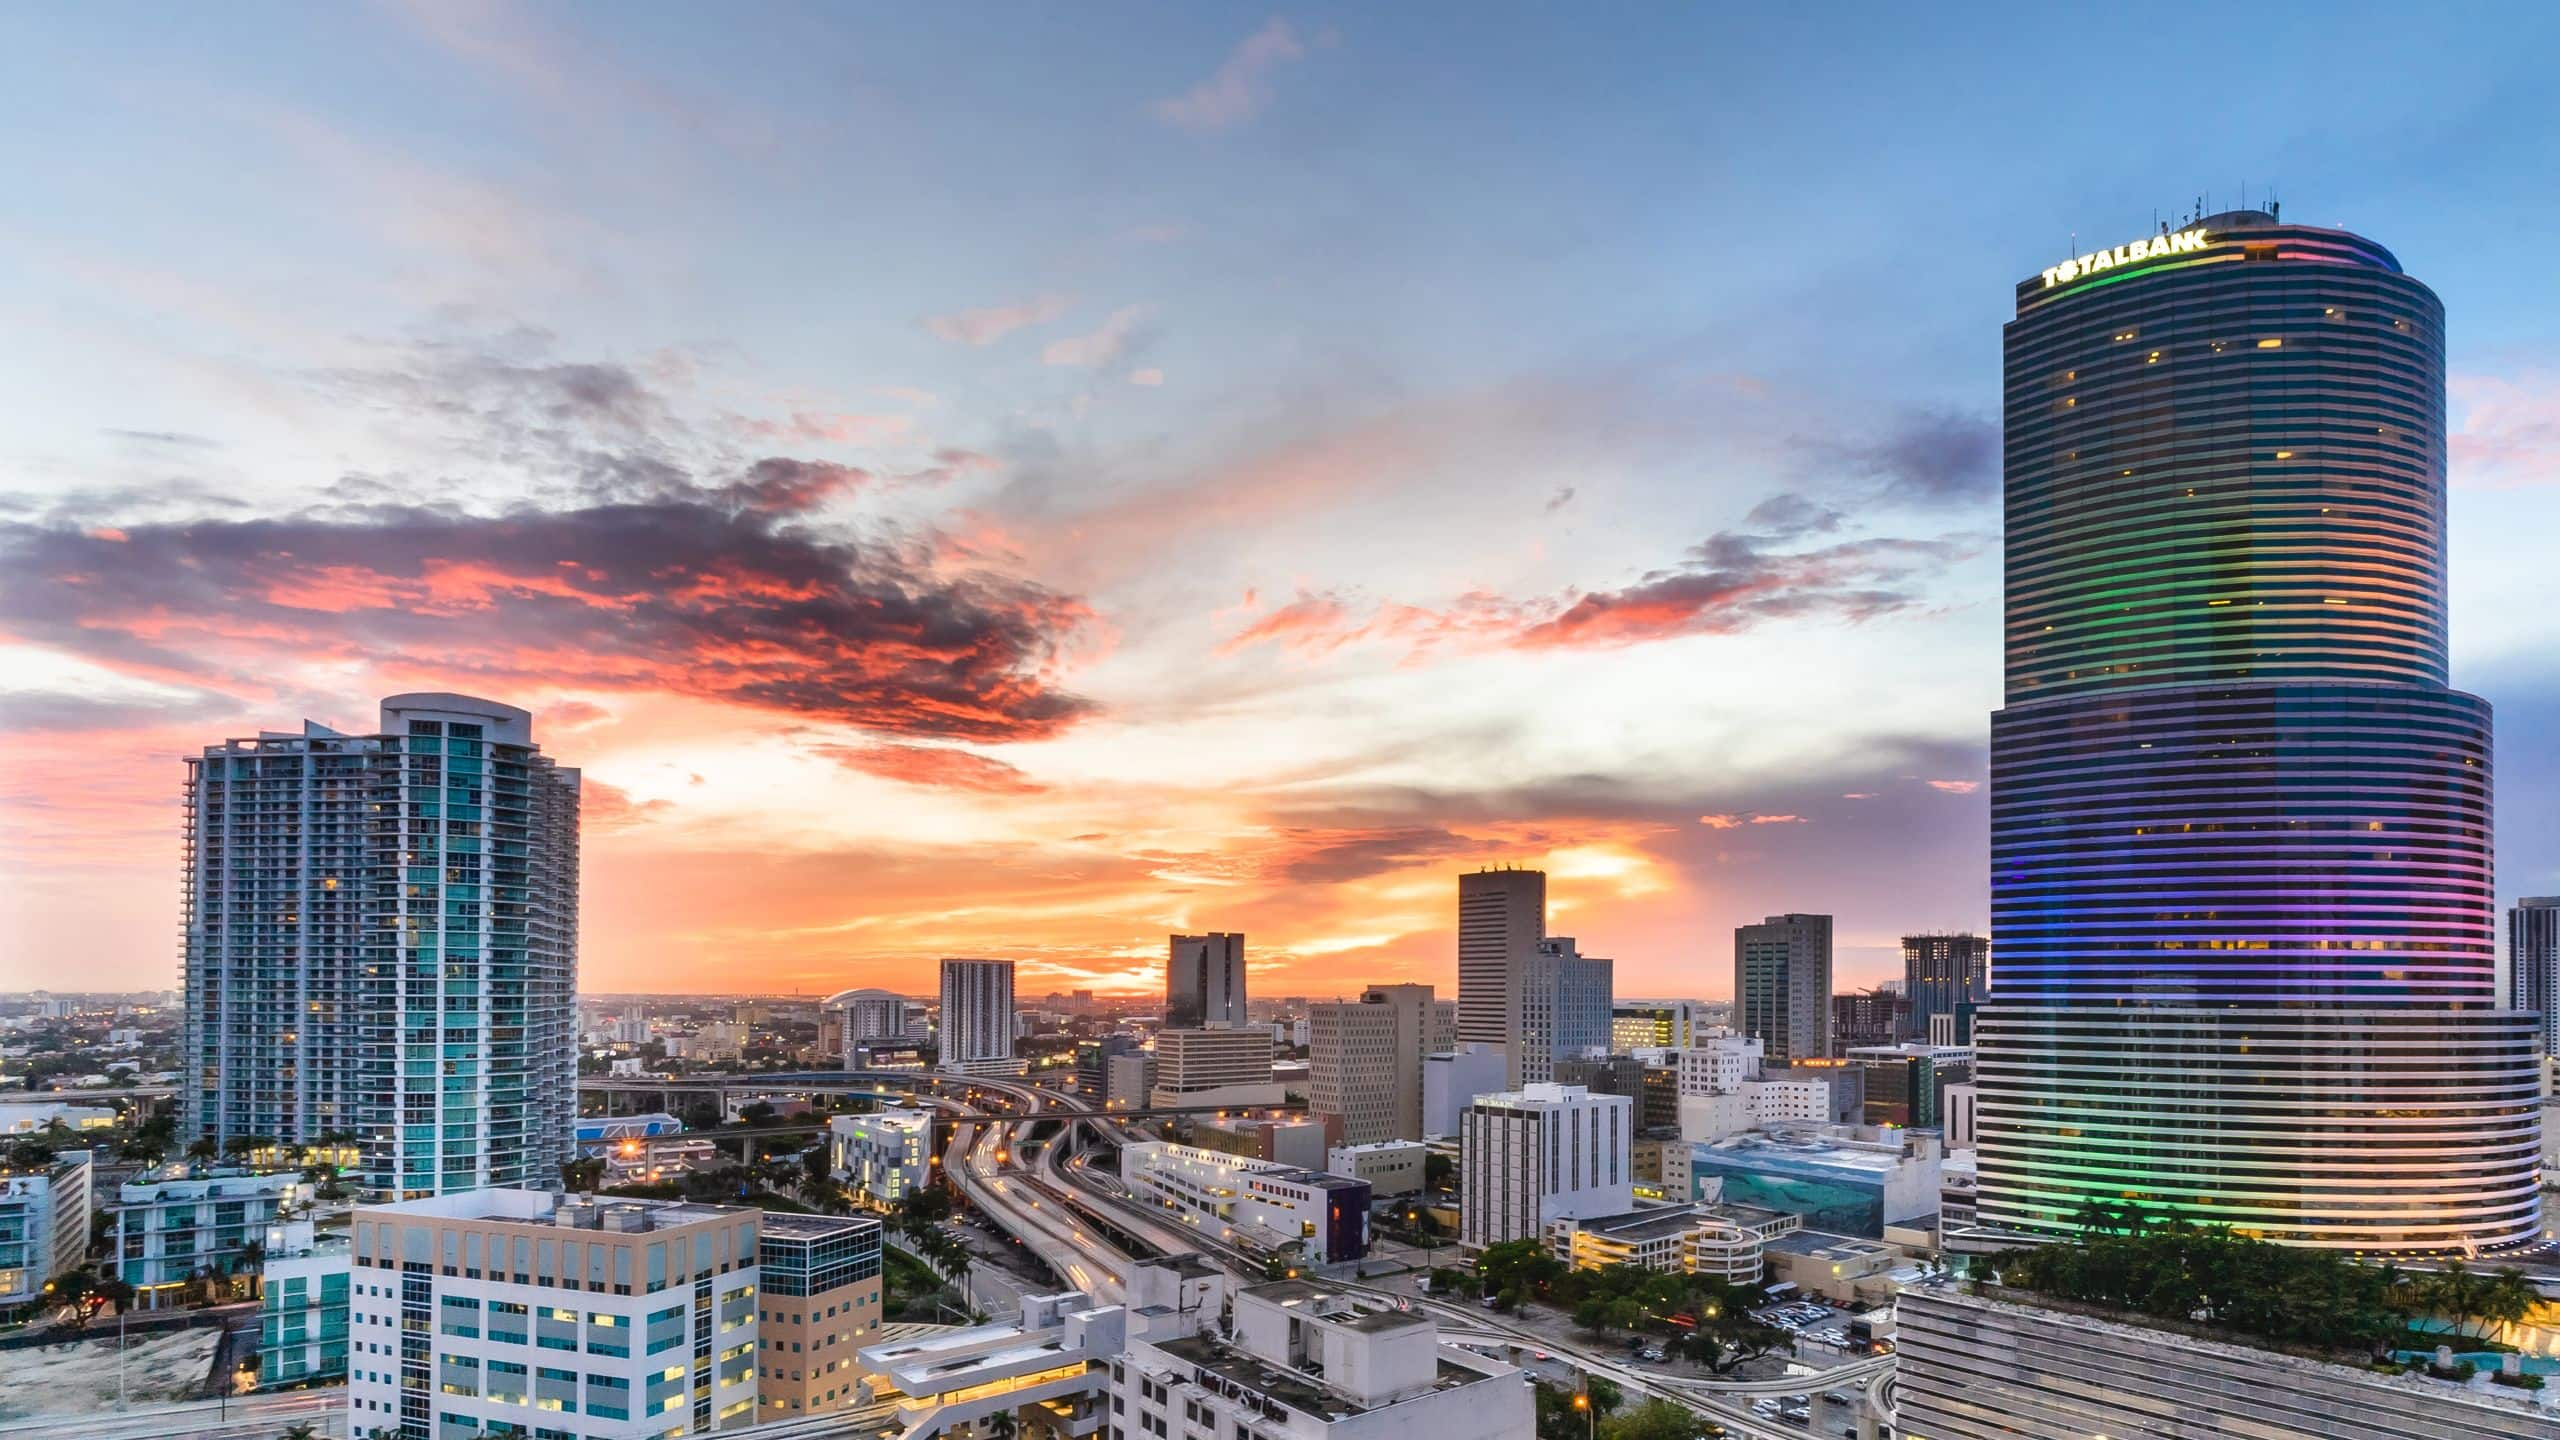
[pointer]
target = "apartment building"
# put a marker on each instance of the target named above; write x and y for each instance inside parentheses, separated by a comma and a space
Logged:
(882, 1157)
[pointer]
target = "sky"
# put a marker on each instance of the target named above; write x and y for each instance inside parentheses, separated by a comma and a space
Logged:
(1024, 480)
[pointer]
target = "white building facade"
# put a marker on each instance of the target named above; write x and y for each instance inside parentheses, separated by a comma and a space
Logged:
(1269, 1208)
(1547, 1152)
(612, 1320)
(978, 1017)
(882, 1157)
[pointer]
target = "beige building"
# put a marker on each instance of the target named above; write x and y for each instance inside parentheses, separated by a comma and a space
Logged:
(1365, 1060)
(1392, 1167)
(820, 1303)
(1215, 1067)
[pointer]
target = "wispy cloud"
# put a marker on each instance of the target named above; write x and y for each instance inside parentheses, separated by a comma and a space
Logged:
(993, 323)
(1241, 86)
(1102, 346)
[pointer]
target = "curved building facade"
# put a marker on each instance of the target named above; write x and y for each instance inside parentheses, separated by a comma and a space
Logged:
(2242, 912)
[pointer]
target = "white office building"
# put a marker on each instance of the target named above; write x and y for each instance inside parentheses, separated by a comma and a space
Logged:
(1534, 1156)
(1754, 1105)
(1307, 1362)
(1267, 1207)
(1391, 1167)
(179, 1222)
(1452, 1080)
(518, 1312)
(1720, 1061)
(882, 1157)
(381, 937)
(978, 1017)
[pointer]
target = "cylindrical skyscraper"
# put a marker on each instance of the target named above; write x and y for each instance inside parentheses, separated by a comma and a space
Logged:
(2242, 918)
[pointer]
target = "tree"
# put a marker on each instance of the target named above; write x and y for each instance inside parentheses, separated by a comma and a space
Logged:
(1438, 1171)
(582, 1176)
(300, 1430)
(204, 1148)
(1003, 1424)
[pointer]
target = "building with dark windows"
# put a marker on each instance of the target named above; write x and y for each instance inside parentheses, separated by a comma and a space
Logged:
(1782, 985)
(382, 941)
(1204, 982)
(1941, 974)
(2240, 826)
(1868, 1017)
(2533, 956)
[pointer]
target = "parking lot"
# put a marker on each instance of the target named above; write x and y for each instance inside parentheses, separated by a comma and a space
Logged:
(1808, 1320)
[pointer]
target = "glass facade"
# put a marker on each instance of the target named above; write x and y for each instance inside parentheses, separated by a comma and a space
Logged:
(381, 941)
(2241, 845)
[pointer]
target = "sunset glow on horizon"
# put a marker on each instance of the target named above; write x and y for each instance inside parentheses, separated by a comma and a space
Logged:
(1025, 489)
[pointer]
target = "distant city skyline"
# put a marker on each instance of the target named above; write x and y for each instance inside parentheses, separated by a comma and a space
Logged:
(1268, 464)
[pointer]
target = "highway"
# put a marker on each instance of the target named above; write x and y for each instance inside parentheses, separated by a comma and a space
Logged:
(248, 1417)
(1066, 1181)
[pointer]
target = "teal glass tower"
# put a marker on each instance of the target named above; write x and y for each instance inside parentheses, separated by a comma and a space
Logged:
(382, 945)
(2243, 944)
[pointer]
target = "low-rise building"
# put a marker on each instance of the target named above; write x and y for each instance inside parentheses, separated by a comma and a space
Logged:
(1653, 1025)
(882, 1157)
(182, 1223)
(2003, 1366)
(1054, 1353)
(1730, 1242)
(1390, 1167)
(26, 1117)
(302, 1307)
(1268, 1208)
(1286, 1142)
(1851, 1181)
(44, 1223)
(1130, 1080)
(1754, 1105)
(1847, 1268)
(1649, 1239)
(518, 1312)
(1718, 1061)
(1661, 1161)
(820, 1277)
(1306, 1362)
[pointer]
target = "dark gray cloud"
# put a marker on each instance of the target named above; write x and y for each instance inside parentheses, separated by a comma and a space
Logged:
(1934, 458)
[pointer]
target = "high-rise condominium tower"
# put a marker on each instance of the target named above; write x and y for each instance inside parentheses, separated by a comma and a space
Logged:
(2533, 955)
(382, 940)
(1204, 982)
(1782, 985)
(2240, 838)
(1502, 915)
(1941, 972)
(977, 1014)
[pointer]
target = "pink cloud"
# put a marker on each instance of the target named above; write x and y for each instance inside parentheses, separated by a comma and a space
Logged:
(1099, 348)
(1241, 85)
(987, 326)
(1721, 822)
(1779, 820)
(1956, 787)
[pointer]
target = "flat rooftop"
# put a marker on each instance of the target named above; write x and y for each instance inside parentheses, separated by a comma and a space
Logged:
(1817, 1242)
(1654, 1224)
(1293, 1389)
(815, 1227)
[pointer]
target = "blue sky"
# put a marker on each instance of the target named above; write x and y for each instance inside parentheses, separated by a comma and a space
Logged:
(1290, 423)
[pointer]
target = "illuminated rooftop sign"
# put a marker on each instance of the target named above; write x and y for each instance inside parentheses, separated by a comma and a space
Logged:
(2156, 248)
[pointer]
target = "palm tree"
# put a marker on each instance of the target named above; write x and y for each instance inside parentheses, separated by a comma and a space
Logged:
(300, 1430)
(1003, 1424)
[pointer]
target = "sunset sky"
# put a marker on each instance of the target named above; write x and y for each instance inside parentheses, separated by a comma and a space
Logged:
(1018, 481)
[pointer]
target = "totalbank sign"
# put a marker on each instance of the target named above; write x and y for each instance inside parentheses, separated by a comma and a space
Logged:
(2159, 247)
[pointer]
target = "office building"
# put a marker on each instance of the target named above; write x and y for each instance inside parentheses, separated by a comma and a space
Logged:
(1451, 1081)
(1659, 1159)
(2007, 1366)
(24, 1118)
(1093, 1063)
(1528, 1158)
(1502, 915)
(1957, 1115)
(582, 1319)
(1389, 1167)
(1720, 1061)
(1868, 1017)
(381, 938)
(1754, 1105)
(1300, 1144)
(1215, 1067)
(1654, 1025)
(2240, 827)
(44, 1223)
(1583, 999)
(302, 1307)
(977, 1021)
(1308, 1362)
(1365, 1060)
(1268, 1208)
(882, 1157)
(1907, 1084)
(2533, 958)
(1204, 982)
(182, 1222)
(819, 1302)
(1782, 985)
(1940, 973)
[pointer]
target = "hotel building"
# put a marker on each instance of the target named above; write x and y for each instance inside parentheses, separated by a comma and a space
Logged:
(381, 938)
(2240, 827)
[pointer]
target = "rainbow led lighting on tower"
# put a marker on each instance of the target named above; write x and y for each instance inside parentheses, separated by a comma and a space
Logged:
(2240, 826)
